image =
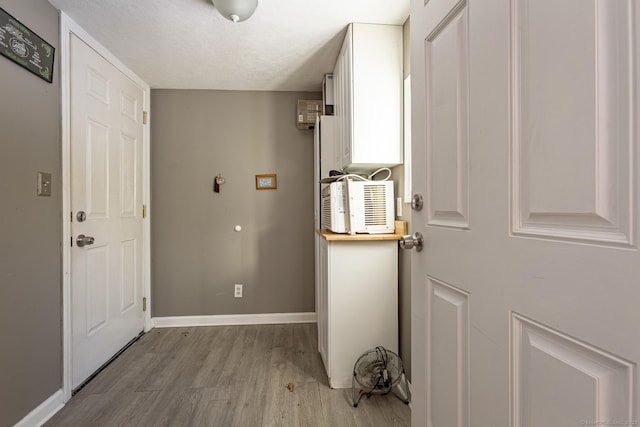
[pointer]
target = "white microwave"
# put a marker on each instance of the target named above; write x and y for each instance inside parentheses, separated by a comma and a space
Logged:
(358, 207)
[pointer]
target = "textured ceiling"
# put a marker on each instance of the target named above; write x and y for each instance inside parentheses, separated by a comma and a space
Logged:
(286, 45)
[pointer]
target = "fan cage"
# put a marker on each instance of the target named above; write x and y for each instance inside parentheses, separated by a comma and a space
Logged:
(379, 371)
(369, 369)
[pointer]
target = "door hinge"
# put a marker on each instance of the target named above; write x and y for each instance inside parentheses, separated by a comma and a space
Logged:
(71, 215)
(144, 303)
(144, 211)
(144, 117)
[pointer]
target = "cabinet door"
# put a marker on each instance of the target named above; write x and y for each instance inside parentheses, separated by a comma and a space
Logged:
(374, 66)
(322, 308)
(368, 98)
(338, 107)
(362, 303)
(347, 101)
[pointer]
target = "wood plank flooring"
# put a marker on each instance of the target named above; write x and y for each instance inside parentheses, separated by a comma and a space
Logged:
(224, 376)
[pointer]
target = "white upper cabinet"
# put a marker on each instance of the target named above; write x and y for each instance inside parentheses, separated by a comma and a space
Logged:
(368, 97)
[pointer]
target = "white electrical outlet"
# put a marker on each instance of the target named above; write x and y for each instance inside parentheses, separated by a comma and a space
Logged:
(237, 291)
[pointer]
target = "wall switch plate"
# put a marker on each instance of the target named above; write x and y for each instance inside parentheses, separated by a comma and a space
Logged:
(399, 207)
(44, 184)
(237, 291)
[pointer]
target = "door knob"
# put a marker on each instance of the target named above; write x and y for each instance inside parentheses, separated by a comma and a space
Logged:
(410, 242)
(83, 240)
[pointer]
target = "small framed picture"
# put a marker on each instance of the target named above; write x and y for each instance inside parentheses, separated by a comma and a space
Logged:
(266, 182)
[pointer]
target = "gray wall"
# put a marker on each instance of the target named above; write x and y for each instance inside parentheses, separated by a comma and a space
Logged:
(197, 256)
(30, 226)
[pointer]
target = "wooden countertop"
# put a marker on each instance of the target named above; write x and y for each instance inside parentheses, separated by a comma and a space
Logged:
(401, 230)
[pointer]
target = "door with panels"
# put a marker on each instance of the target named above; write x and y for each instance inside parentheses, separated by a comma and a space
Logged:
(106, 204)
(525, 149)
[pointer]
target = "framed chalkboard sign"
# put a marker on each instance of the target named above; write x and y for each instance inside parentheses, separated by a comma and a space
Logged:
(24, 47)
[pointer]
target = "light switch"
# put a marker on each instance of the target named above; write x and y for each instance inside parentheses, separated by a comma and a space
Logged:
(44, 184)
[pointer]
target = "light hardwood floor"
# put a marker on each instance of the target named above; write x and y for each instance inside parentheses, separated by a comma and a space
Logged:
(224, 376)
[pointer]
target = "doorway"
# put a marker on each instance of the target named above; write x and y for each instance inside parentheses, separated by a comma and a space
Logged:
(105, 199)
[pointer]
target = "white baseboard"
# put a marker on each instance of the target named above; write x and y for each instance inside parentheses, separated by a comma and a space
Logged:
(233, 319)
(43, 412)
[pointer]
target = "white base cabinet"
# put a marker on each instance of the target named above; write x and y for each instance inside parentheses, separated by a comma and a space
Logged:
(356, 302)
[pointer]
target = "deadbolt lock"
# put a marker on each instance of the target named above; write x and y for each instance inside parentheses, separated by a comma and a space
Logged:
(417, 202)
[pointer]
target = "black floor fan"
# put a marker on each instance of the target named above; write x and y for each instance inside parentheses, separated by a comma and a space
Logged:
(379, 371)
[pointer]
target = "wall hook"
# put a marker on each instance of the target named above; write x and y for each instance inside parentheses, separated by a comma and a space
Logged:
(217, 182)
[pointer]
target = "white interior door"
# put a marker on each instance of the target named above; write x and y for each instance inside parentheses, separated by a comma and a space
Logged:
(106, 184)
(525, 148)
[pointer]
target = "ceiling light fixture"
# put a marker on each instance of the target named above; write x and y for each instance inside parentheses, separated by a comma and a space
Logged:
(236, 10)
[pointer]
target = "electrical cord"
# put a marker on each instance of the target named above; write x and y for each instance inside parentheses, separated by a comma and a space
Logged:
(356, 177)
(381, 170)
